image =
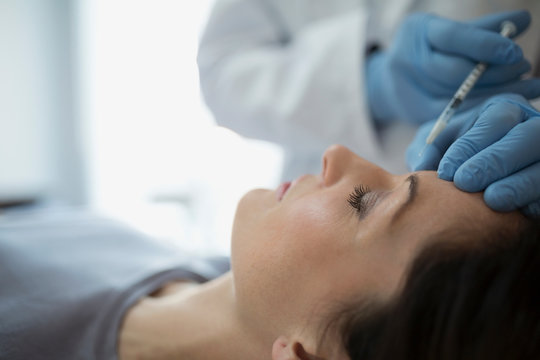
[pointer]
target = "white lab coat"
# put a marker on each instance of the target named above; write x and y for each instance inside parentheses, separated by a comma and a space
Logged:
(292, 71)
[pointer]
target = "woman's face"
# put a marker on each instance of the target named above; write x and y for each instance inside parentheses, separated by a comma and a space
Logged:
(295, 255)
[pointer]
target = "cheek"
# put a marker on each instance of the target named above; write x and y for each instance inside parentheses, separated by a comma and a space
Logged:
(291, 257)
(299, 230)
(315, 232)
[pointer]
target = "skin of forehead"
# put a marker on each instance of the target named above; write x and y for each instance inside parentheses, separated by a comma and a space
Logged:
(439, 205)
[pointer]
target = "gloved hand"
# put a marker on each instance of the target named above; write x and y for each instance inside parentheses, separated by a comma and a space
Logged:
(429, 59)
(495, 148)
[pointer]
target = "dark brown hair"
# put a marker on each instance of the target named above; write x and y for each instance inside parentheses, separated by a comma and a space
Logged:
(458, 302)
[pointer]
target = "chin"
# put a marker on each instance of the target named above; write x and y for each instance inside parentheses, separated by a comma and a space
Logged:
(250, 220)
(249, 211)
(253, 204)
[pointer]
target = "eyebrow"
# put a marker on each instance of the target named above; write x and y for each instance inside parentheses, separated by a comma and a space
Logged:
(413, 190)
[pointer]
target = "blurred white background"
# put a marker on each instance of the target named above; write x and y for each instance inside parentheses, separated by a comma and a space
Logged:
(100, 107)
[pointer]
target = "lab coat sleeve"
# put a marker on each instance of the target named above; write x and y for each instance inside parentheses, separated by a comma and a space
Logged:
(304, 92)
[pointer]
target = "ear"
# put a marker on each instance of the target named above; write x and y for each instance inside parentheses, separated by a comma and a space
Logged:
(284, 349)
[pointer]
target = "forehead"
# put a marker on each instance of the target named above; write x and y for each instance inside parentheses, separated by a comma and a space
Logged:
(440, 206)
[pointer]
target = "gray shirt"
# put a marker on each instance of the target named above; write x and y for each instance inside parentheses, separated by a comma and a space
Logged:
(67, 278)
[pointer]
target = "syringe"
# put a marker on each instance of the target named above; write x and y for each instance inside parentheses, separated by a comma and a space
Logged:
(507, 29)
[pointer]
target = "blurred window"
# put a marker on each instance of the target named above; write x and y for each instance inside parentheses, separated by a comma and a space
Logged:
(156, 159)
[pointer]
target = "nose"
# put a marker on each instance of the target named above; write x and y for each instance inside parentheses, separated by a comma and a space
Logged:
(336, 160)
(339, 162)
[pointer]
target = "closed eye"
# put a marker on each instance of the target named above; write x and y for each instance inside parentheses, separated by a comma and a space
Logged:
(357, 200)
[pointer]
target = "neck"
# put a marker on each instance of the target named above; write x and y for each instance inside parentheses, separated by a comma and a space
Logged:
(195, 322)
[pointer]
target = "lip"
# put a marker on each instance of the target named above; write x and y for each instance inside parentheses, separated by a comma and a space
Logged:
(282, 189)
(286, 186)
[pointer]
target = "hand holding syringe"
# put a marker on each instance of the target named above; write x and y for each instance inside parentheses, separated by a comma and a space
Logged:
(493, 148)
(507, 29)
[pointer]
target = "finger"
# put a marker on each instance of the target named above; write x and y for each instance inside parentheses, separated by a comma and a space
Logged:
(515, 191)
(492, 22)
(494, 122)
(532, 210)
(515, 151)
(500, 74)
(528, 88)
(451, 71)
(472, 42)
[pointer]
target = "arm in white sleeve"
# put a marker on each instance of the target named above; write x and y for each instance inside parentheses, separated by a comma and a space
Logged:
(307, 89)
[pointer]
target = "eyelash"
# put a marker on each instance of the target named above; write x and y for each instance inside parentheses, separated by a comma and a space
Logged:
(356, 197)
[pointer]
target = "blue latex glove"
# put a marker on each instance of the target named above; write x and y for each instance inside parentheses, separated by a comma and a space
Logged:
(495, 149)
(431, 56)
